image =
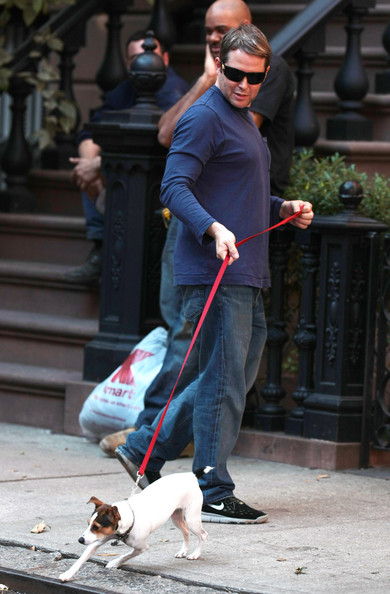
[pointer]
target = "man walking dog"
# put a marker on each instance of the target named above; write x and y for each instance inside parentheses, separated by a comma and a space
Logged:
(217, 183)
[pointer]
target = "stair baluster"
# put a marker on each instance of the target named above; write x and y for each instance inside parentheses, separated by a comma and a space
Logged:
(17, 158)
(351, 84)
(307, 128)
(57, 157)
(382, 79)
(162, 24)
(271, 415)
(112, 70)
(305, 335)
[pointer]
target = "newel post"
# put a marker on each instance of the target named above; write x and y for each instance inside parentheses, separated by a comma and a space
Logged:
(333, 411)
(133, 162)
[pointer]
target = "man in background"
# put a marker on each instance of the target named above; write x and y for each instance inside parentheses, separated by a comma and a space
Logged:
(87, 173)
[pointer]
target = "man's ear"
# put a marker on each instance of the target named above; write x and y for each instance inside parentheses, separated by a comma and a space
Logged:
(165, 58)
(218, 63)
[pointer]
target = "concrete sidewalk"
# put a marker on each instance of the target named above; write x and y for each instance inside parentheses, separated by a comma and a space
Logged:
(327, 531)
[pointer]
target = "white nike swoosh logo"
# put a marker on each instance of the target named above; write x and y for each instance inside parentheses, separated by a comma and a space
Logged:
(218, 506)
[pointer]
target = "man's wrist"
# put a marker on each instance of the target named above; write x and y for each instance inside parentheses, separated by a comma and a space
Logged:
(214, 229)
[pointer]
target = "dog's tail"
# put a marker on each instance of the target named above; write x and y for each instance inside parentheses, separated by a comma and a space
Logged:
(202, 471)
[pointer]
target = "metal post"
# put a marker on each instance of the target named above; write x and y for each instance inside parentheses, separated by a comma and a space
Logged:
(133, 161)
(334, 410)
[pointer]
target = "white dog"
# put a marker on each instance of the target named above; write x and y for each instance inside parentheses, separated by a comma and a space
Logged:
(176, 496)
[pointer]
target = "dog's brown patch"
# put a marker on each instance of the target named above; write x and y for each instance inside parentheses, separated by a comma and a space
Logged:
(107, 519)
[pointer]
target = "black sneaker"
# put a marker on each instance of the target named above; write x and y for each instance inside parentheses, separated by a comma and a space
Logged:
(231, 510)
(90, 272)
(131, 468)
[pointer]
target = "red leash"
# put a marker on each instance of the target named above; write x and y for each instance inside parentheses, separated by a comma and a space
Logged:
(202, 317)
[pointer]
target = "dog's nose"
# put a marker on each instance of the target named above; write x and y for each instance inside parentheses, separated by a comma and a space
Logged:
(81, 540)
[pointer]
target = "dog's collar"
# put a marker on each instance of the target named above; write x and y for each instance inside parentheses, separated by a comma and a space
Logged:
(126, 534)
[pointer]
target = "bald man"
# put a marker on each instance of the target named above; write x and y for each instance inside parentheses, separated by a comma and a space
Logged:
(221, 16)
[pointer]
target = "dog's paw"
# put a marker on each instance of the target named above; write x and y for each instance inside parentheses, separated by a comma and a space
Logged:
(65, 577)
(181, 554)
(193, 556)
(112, 564)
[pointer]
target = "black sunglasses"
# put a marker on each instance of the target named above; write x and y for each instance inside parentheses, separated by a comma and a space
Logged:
(235, 75)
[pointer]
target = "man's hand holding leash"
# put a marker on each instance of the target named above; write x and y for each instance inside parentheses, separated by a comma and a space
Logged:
(225, 241)
(290, 207)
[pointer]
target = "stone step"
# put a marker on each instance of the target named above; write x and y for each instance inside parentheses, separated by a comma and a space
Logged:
(43, 238)
(55, 192)
(370, 157)
(35, 396)
(376, 108)
(41, 288)
(43, 340)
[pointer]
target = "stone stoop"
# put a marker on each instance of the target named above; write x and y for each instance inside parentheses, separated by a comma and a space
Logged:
(45, 321)
(33, 395)
(309, 453)
(55, 192)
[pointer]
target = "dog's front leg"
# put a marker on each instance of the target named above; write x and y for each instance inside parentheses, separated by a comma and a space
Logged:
(89, 551)
(123, 558)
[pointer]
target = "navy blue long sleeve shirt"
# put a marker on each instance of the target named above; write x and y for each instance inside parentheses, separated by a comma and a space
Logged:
(218, 170)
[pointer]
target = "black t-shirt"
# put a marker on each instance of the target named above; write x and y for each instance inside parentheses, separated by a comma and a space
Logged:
(275, 102)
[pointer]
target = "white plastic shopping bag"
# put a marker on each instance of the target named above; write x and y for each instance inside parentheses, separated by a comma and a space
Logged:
(116, 402)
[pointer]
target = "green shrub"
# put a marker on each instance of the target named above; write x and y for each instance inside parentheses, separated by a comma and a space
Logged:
(318, 179)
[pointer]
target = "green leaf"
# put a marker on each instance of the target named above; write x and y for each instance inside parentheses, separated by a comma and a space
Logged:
(35, 54)
(48, 94)
(32, 81)
(44, 138)
(37, 5)
(55, 44)
(5, 75)
(50, 105)
(68, 108)
(51, 120)
(4, 17)
(5, 57)
(21, 4)
(65, 125)
(29, 15)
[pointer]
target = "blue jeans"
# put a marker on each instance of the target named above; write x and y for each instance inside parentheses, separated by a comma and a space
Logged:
(210, 408)
(94, 220)
(179, 338)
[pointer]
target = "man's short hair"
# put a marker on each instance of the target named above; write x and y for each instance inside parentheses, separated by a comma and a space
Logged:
(247, 38)
(141, 34)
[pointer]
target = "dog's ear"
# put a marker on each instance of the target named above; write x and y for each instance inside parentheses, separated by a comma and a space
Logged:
(96, 501)
(113, 515)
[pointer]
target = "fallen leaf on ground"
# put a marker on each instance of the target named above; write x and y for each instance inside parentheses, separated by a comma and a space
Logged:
(41, 527)
(281, 559)
(300, 570)
(322, 476)
(108, 554)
